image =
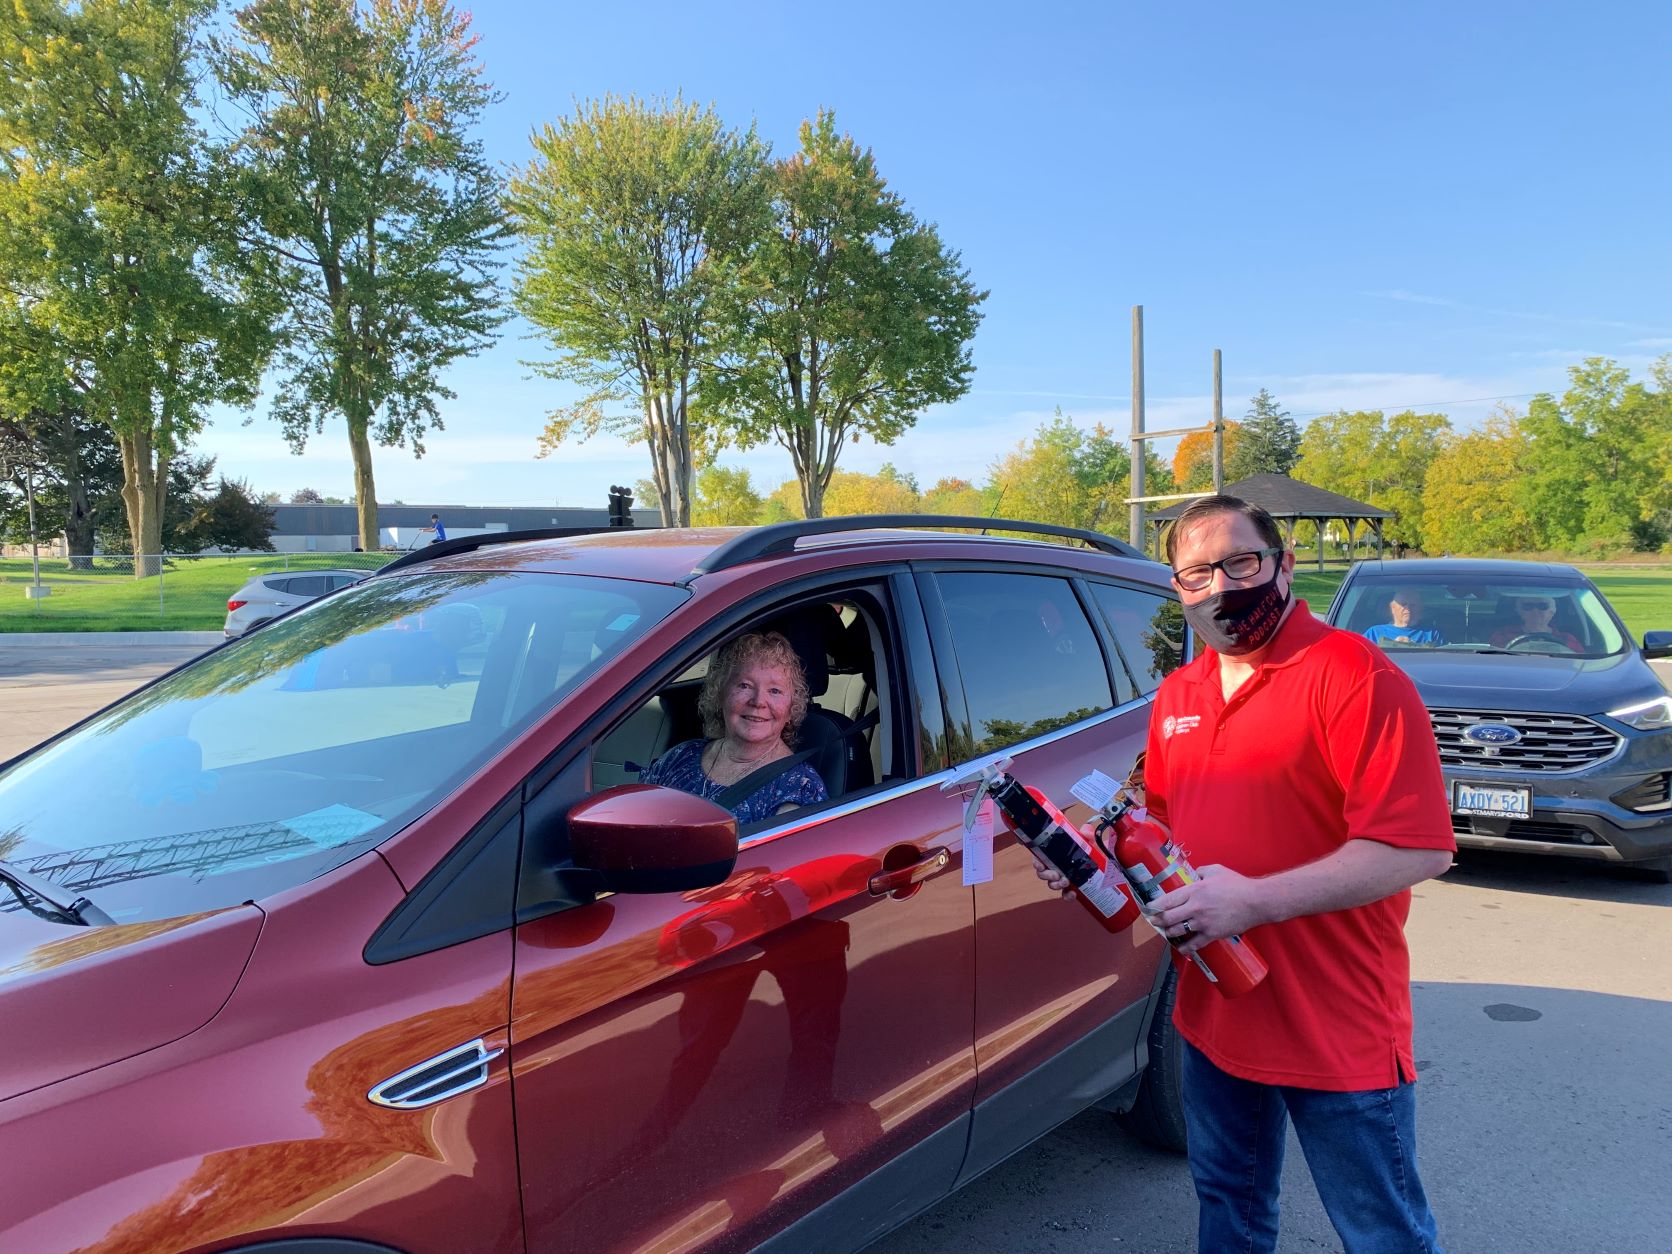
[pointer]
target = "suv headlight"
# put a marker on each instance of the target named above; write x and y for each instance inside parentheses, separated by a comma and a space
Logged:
(1655, 714)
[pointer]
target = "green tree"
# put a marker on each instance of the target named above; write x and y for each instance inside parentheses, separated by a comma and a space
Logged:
(725, 497)
(1380, 459)
(76, 469)
(231, 520)
(636, 218)
(1071, 477)
(1268, 443)
(784, 505)
(123, 272)
(1472, 499)
(959, 497)
(853, 316)
(379, 215)
(1596, 468)
(885, 492)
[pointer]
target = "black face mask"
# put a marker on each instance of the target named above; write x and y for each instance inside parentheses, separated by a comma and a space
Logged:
(1239, 620)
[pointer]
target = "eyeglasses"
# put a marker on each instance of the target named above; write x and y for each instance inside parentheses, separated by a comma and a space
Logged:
(1533, 607)
(1236, 566)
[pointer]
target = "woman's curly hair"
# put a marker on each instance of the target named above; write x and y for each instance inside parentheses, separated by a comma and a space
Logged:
(770, 648)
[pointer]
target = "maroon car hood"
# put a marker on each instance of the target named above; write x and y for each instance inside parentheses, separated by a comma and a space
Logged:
(75, 998)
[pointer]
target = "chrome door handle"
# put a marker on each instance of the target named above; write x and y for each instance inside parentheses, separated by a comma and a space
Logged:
(902, 878)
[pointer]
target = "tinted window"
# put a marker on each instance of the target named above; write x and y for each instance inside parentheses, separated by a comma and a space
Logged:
(308, 586)
(1148, 630)
(1028, 656)
(284, 754)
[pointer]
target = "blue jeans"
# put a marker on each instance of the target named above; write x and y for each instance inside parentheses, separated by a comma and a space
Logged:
(1360, 1146)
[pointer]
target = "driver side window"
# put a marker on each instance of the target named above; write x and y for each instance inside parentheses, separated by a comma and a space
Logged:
(843, 742)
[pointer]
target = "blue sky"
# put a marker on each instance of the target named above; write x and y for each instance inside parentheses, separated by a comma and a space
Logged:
(1365, 206)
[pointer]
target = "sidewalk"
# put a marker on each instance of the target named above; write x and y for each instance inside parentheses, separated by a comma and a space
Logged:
(203, 639)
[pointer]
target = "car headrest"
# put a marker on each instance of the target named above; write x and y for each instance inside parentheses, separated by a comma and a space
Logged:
(809, 631)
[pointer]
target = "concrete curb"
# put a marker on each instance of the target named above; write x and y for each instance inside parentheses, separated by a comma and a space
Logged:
(118, 638)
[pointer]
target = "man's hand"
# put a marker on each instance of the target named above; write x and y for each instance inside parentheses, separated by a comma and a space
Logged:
(1221, 903)
(1053, 880)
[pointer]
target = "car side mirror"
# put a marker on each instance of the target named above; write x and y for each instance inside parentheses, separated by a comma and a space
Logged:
(1657, 644)
(643, 838)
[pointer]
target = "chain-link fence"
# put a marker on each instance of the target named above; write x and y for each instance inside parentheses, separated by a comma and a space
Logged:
(122, 592)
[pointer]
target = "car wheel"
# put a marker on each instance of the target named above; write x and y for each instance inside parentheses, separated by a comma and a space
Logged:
(1157, 1116)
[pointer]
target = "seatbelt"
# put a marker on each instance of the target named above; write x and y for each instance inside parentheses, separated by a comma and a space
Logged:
(762, 776)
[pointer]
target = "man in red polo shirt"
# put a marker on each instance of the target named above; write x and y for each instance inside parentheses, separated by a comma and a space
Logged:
(1297, 768)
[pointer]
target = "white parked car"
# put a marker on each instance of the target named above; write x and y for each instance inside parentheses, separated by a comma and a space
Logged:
(267, 596)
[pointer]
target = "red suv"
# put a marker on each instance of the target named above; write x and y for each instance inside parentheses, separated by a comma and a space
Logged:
(358, 933)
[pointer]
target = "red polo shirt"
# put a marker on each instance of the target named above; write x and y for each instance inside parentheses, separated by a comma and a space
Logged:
(1326, 742)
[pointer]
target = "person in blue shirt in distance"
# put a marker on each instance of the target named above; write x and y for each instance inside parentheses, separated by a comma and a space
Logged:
(1405, 626)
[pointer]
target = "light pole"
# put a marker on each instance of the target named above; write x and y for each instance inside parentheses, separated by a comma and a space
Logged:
(36, 590)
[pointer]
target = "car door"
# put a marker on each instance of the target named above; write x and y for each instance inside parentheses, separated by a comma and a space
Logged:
(1060, 1004)
(705, 1070)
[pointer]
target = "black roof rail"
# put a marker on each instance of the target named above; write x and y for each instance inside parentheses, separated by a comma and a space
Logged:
(469, 544)
(781, 537)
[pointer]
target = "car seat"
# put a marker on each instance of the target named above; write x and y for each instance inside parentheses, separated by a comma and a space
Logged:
(840, 759)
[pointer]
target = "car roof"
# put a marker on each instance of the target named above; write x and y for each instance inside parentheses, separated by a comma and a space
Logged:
(1453, 568)
(683, 555)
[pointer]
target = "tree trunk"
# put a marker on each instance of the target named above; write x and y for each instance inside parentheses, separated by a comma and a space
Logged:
(365, 491)
(144, 480)
(78, 519)
(674, 456)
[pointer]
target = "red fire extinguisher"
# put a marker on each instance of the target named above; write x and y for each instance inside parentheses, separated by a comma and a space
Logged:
(1153, 864)
(1047, 832)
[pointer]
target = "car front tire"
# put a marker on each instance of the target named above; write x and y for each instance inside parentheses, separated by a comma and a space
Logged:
(1157, 1116)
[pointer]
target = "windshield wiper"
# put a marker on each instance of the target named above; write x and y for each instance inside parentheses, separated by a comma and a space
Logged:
(79, 910)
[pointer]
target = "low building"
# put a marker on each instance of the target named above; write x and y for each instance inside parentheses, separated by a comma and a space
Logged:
(336, 528)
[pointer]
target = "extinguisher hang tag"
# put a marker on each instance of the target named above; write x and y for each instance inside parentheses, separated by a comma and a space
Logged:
(978, 844)
(1096, 790)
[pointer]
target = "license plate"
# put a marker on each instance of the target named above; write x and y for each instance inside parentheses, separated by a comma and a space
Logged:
(1492, 803)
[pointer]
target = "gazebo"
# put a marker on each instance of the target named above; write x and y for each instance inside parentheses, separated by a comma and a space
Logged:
(1289, 501)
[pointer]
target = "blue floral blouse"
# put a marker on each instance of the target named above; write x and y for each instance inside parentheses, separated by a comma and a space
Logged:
(681, 767)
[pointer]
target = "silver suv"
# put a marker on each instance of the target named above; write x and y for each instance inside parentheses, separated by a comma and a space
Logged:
(267, 596)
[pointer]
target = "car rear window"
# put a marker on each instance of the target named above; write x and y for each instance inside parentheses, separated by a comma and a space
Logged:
(1027, 653)
(1148, 629)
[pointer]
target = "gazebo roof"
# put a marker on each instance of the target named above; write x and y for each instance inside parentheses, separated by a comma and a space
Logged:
(1283, 497)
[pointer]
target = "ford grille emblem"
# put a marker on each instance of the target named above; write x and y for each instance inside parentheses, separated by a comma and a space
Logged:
(1491, 734)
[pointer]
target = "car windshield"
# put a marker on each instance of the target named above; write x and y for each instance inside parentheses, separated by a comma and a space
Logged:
(1557, 617)
(282, 755)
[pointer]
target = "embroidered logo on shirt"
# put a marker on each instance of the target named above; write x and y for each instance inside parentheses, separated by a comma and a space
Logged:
(1171, 726)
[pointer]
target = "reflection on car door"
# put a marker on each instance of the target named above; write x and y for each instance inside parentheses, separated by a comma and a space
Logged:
(698, 1071)
(1025, 655)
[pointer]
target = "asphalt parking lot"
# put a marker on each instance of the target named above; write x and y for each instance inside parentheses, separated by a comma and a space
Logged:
(1543, 994)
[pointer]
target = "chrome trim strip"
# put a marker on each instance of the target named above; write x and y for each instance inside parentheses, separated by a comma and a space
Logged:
(1561, 849)
(939, 777)
(470, 1059)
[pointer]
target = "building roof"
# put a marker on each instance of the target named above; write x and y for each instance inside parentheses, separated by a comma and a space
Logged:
(1283, 497)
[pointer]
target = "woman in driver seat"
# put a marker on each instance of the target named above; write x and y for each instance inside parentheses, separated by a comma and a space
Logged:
(752, 703)
(1535, 613)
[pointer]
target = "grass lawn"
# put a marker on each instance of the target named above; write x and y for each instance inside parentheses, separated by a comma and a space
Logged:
(190, 594)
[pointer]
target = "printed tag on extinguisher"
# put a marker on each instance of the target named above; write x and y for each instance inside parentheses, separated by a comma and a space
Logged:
(1096, 790)
(978, 845)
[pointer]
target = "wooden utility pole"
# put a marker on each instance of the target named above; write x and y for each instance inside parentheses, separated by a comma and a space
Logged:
(1136, 534)
(1218, 427)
